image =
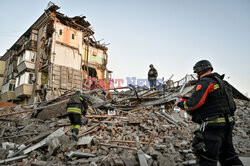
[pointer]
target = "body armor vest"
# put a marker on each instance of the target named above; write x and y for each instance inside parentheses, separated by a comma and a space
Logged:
(218, 103)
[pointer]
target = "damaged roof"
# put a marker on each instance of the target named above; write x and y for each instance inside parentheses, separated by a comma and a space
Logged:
(77, 22)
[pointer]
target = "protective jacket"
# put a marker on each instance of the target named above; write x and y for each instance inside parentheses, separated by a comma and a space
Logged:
(77, 104)
(212, 98)
(152, 73)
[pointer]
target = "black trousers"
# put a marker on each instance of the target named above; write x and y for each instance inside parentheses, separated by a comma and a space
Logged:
(219, 146)
(76, 122)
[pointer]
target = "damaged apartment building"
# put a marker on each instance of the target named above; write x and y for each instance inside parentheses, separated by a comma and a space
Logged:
(57, 53)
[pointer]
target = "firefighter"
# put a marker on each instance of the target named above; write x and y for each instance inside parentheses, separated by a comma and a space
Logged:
(76, 107)
(152, 76)
(212, 106)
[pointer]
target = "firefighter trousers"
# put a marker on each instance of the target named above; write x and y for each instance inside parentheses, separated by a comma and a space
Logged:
(75, 120)
(218, 146)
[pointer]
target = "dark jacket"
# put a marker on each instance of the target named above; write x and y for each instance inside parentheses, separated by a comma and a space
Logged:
(212, 98)
(77, 104)
(152, 73)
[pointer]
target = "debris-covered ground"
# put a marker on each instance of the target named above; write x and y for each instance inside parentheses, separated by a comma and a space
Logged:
(132, 127)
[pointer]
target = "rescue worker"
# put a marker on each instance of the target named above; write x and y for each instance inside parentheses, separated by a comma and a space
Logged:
(212, 106)
(76, 107)
(152, 76)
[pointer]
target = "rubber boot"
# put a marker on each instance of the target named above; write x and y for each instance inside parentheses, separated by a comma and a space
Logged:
(74, 134)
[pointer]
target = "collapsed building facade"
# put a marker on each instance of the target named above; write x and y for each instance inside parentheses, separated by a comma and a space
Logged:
(55, 54)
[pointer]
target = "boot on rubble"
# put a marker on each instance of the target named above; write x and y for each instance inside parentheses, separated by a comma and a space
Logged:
(74, 134)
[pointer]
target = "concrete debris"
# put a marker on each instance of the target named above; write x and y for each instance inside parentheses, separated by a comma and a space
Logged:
(245, 160)
(168, 116)
(8, 145)
(3, 153)
(39, 163)
(121, 130)
(189, 162)
(54, 144)
(79, 154)
(12, 159)
(57, 133)
(85, 140)
(142, 158)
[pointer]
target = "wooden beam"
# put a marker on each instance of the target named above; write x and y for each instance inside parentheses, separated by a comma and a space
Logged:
(134, 110)
(150, 139)
(100, 116)
(116, 146)
(124, 141)
(31, 110)
(88, 129)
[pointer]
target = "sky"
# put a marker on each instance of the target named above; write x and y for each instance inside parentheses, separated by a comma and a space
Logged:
(170, 34)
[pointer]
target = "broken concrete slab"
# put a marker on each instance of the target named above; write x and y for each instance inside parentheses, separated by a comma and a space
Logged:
(92, 164)
(13, 159)
(167, 98)
(128, 159)
(8, 145)
(142, 158)
(57, 133)
(245, 160)
(54, 144)
(117, 160)
(39, 163)
(3, 153)
(168, 116)
(85, 140)
(79, 154)
(189, 162)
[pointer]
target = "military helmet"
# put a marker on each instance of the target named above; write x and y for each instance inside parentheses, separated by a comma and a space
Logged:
(202, 65)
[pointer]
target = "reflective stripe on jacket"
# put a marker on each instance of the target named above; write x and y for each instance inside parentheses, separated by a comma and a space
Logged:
(207, 100)
(74, 109)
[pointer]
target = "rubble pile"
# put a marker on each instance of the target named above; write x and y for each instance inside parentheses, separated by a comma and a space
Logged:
(241, 133)
(5, 104)
(133, 127)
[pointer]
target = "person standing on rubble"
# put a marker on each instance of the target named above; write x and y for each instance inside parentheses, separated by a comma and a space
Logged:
(212, 106)
(152, 76)
(76, 107)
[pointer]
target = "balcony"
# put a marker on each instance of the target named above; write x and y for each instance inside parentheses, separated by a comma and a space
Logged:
(25, 65)
(8, 96)
(24, 90)
(26, 60)
(8, 91)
